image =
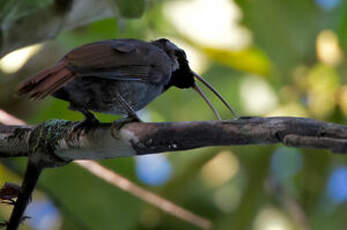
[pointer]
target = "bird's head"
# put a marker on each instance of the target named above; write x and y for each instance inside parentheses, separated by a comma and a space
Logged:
(183, 77)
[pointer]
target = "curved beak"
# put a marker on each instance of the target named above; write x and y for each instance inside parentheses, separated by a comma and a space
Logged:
(208, 85)
(203, 95)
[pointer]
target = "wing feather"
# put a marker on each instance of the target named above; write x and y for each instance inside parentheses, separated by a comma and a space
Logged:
(120, 59)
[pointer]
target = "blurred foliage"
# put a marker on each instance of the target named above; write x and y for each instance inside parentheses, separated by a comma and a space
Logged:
(132, 8)
(250, 60)
(12, 10)
(285, 70)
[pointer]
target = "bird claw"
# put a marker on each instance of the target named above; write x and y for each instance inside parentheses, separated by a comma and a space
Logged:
(85, 125)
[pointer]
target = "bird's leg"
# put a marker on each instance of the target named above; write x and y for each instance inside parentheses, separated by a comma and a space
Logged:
(131, 115)
(89, 121)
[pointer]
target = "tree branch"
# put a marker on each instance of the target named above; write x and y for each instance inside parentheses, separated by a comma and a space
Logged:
(110, 141)
(32, 173)
(55, 143)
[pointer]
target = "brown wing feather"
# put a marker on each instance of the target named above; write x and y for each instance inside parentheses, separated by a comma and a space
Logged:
(46, 82)
(122, 59)
(105, 54)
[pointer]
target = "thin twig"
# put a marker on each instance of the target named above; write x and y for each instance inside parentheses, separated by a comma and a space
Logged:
(145, 195)
(8, 119)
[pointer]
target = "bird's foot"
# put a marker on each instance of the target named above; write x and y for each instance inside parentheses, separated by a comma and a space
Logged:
(118, 124)
(85, 125)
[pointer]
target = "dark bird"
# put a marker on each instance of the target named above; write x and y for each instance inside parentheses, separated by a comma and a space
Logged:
(119, 76)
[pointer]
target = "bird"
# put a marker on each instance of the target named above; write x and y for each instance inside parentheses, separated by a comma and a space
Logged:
(117, 76)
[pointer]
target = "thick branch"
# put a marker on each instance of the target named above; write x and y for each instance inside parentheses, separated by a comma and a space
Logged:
(13, 140)
(107, 141)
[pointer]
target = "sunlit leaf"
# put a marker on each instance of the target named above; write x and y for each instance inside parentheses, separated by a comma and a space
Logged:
(249, 60)
(323, 83)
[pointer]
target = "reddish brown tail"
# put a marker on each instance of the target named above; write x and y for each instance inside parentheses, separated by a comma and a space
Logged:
(46, 82)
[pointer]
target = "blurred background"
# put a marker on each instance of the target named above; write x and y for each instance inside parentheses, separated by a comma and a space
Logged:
(267, 58)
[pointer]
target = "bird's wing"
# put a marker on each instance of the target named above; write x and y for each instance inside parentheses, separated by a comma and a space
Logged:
(123, 59)
(119, 60)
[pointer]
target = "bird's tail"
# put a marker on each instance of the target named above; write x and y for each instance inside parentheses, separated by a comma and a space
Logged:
(46, 82)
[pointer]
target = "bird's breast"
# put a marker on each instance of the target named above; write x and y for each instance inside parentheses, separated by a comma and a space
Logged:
(103, 95)
(136, 93)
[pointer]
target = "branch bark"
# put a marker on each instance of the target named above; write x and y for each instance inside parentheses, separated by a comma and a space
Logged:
(57, 137)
